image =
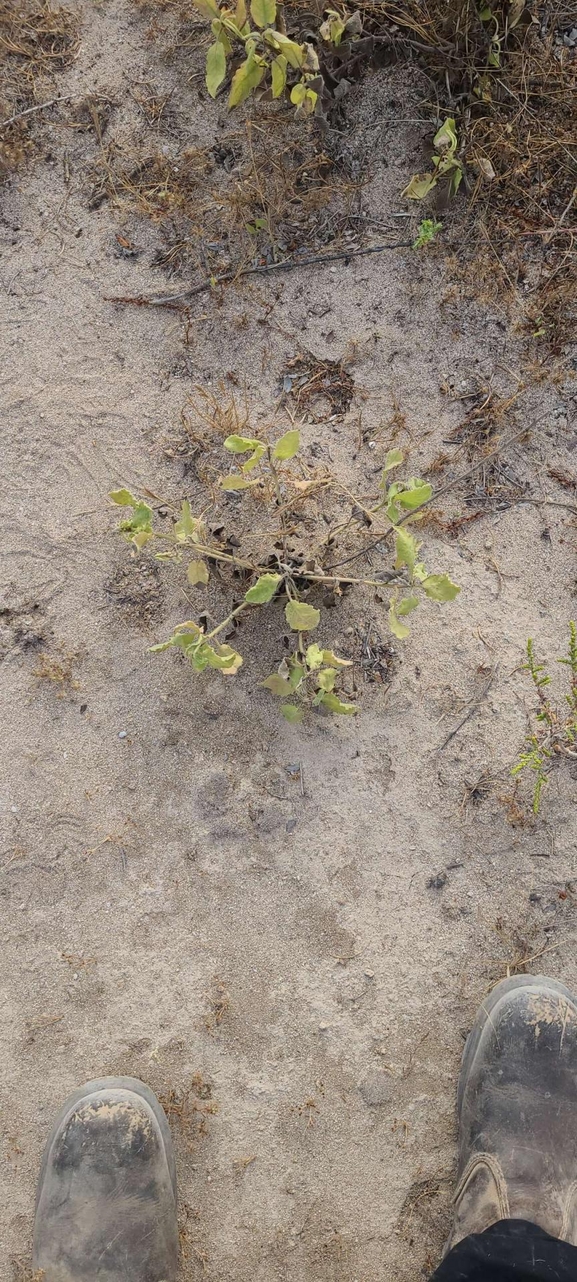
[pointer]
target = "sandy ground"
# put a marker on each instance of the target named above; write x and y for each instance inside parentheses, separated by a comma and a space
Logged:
(285, 931)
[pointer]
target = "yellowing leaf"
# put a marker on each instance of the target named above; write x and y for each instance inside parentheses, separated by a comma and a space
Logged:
(326, 678)
(224, 658)
(186, 526)
(335, 661)
(406, 548)
(446, 137)
(236, 482)
(277, 684)
(439, 587)
(420, 186)
(209, 8)
(141, 538)
(516, 9)
(278, 71)
(240, 444)
(294, 53)
(304, 99)
(314, 657)
(124, 498)
(407, 604)
(247, 78)
(296, 674)
(398, 629)
(197, 572)
(291, 713)
(240, 13)
(263, 590)
(394, 457)
(263, 12)
(288, 445)
(215, 68)
(302, 617)
(254, 459)
(334, 704)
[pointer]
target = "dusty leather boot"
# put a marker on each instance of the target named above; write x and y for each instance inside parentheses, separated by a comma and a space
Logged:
(106, 1198)
(517, 1107)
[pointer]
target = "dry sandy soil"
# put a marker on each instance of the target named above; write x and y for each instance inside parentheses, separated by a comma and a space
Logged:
(285, 930)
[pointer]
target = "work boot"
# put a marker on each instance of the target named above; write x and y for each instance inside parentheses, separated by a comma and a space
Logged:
(517, 1107)
(106, 1198)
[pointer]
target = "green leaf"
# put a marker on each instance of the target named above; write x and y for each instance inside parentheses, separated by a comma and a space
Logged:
(419, 492)
(277, 684)
(407, 604)
(296, 674)
(420, 186)
(124, 498)
(288, 446)
(236, 482)
(326, 678)
(278, 71)
(335, 661)
(197, 572)
(263, 12)
(406, 548)
(240, 444)
(247, 78)
(334, 704)
(215, 68)
(141, 538)
(294, 53)
(186, 526)
(254, 459)
(398, 629)
(303, 98)
(302, 617)
(439, 587)
(263, 590)
(314, 657)
(291, 713)
(394, 457)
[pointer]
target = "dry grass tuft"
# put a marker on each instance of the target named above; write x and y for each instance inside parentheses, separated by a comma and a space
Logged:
(37, 40)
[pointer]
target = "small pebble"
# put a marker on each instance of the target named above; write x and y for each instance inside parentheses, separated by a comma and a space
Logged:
(123, 734)
(323, 1028)
(370, 974)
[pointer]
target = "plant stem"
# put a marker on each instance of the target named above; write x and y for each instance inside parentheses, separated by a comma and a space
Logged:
(229, 618)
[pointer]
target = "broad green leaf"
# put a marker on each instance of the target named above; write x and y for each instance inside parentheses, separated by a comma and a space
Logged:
(418, 493)
(294, 53)
(296, 674)
(277, 684)
(240, 13)
(263, 590)
(241, 444)
(326, 678)
(335, 661)
(215, 68)
(197, 572)
(398, 629)
(331, 31)
(420, 186)
(209, 8)
(263, 12)
(334, 704)
(124, 498)
(439, 587)
(302, 617)
(288, 446)
(278, 71)
(248, 76)
(314, 657)
(406, 548)
(407, 604)
(394, 457)
(254, 459)
(186, 526)
(291, 713)
(141, 519)
(236, 482)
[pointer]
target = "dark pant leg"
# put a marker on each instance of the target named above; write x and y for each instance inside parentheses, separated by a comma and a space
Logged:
(511, 1251)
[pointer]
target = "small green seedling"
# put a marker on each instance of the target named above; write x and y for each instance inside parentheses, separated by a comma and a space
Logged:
(426, 232)
(310, 675)
(556, 733)
(446, 164)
